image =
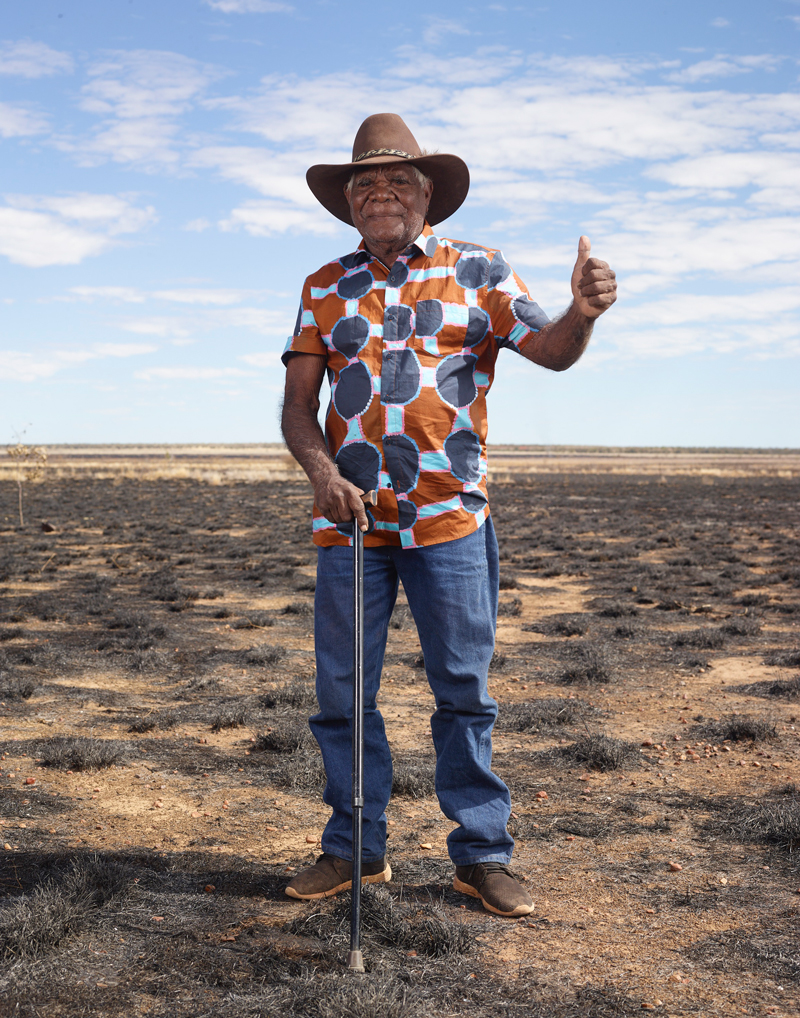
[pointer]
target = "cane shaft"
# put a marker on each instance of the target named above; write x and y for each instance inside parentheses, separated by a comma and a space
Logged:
(355, 961)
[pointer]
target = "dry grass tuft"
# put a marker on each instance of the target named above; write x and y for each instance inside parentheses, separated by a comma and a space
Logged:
(13, 687)
(587, 663)
(297, 694)
(546, 715)
(783, 689)
(74, 753)
(735, 728)
(413, 775)
(599, 753)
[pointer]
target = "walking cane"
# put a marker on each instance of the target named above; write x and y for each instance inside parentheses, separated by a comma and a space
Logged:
(355, 960)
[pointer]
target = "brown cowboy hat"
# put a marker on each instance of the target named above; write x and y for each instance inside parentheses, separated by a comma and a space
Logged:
(384, 138)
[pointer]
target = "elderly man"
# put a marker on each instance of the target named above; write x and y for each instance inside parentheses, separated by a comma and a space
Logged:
(408, 328)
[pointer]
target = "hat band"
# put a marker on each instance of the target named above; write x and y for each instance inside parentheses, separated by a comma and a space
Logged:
(383, 152)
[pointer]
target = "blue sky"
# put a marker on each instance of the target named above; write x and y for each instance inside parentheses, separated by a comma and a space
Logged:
(155, 224)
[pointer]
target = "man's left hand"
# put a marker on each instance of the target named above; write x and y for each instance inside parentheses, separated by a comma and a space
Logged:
(594, 284)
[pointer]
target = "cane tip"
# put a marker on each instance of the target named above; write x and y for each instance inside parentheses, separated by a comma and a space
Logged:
(355, 962)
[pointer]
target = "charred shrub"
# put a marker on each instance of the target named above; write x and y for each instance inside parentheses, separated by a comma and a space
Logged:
(542, 715)
(773, 820)
(586, 663)
(159, 719)
(163, 585)
(302, 608)
(560, 625)
(705, 638)
(617, 610)
(509, 609)
(413, 776)
(16, 688)
(741, 625)
(287, 737)
(401, 617)
(73, 753)
(297, 694)
(253, 620)
(784, 689)
(231, 715)
(736, 728)
(265, 655)
(58, 909)
(426, 929)
(783, 658)
(599, 753)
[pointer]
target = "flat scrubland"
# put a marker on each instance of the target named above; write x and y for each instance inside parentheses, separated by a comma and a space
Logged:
(158, 782)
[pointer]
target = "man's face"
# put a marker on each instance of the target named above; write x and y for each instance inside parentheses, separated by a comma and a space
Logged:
(388, 206)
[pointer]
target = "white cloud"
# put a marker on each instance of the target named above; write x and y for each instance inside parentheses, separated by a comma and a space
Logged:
(724, 65)
(30, 59)
(774, 176)
(36, 240)
(197, 225)
(248, 6)
(23, 366)
(131, 295)
(720, 23)
(156, 326)
(18, 121)
(123, 349)
(265, 359)
(40, 230)
(191, 374)
(263, 321)
(125, 294)
(277, 174)
(113, 212)
(141, 96)
(267, 218)
(437, 28)
(204, 296)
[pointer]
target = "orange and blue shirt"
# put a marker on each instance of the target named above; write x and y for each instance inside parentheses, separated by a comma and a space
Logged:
(411, 352)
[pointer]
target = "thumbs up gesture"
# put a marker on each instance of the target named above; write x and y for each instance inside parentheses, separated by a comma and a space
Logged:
(594, 285)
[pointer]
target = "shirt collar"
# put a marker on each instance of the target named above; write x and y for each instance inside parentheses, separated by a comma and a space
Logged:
(425, 244)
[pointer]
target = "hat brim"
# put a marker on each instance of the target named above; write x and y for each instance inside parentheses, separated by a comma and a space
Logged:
(449, 174)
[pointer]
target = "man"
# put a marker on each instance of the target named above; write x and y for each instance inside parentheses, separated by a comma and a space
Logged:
(408, 328)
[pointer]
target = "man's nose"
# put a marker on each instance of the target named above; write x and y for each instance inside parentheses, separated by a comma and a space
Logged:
(381, 190)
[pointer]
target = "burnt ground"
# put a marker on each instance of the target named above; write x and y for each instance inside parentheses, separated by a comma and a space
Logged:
(158, 783)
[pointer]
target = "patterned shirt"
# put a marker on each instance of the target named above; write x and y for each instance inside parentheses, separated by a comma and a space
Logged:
(411, 353)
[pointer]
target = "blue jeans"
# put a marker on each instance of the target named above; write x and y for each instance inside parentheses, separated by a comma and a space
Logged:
(452, 591)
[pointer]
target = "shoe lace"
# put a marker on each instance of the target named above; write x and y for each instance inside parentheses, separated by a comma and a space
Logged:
(496, 867)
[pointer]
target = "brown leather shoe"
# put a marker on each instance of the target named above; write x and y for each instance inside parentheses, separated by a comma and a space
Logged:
(493, 883)
(329, 875)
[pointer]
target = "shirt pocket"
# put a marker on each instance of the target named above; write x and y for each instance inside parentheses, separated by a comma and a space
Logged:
(443, 328)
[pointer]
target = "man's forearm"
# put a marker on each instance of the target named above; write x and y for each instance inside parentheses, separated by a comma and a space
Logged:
(561, 342)
(306, 442)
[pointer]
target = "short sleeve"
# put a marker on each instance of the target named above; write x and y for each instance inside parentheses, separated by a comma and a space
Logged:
(516, 317)
(306, 337)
